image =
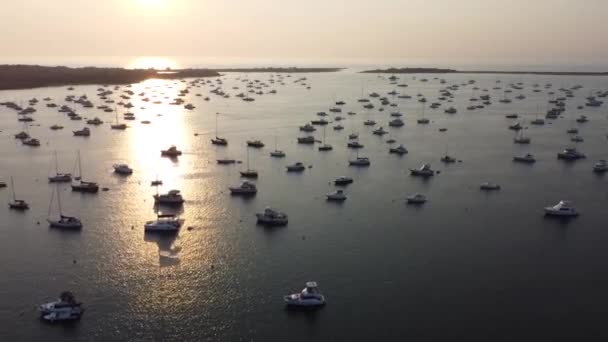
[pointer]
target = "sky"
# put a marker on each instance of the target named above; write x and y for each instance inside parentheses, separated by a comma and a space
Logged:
(514, 32)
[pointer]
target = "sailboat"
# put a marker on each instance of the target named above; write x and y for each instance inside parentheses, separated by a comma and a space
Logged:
(118, 125)
(249, 173)
(276, 153)
(447, 158)
(423, 120)
(359, 161)
(325, 146)
(217, 140)
(59, 177)
(520, 138)
(63, 222)
(83, 186)
(16, 204)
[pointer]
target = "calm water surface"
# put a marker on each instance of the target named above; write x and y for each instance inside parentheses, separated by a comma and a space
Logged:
(467, 264)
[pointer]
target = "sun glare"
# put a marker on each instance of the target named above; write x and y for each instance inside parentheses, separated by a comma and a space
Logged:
(158, 63)
(151, 3)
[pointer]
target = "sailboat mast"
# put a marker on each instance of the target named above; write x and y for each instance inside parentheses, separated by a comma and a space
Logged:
(59, 201)
(13, 188)
(56, 164)
(247, 158)
(216, 117)
(79, 167)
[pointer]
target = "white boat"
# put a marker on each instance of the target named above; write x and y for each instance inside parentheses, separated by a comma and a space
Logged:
(337, 195)
(81, 185)
(173, 197)
(16, 204)
(416, 199)
(122, 169)
(526, 158)
(570, 153)
(308, 297)
(343, 180)
(272, 217)
(276, 153)
(59, 177)
(171, 152)
(63, 222)
(164, 223)
(489, 186)
(563, 208)
(246, 188)
(63, 309)
(297, 167)
(601, 166)
(398, 150)
(424, 171)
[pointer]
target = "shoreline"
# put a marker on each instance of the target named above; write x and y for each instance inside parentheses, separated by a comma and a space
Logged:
(497, 72)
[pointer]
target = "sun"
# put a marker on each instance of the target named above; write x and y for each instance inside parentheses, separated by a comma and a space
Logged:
(151, 4)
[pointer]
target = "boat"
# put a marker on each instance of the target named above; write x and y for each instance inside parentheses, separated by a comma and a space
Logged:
(156, 182)
(246, 188)
(511, 116)
(306, 140)
(526, 158)
(354, 144)
(171, 152)
(122, 169)
(353, 136)
(56, 127)
(272, 217)
(521, 138)
(95, 121)
(248, 173)
(31, 142)
(173, 197)
(16, 204)
(570, 153)
(582, 119)
(319, 122)
(117, 125)
(217, 140)
(338, 127)
(601, 166)
(308, 128)
(416, 199)
(22, 135)
(538, 121)
(379, 131)
(164, 223)
(255, 143)
(63, 309)
(489, 186)
(448, 159)
(297, 167)
(424, 171)
(396, 123)
(451, 110)
(577, 138)
(63, 222)
(398, 150)
(423, 120)
(343, 180)
(369, 122)
(563, 209)
(337, 195)
(308, 297)
(82, 186)
(516, 127)
(59, 177)
(325, 146)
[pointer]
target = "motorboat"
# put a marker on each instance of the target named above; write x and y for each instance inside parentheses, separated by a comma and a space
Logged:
(297, 167)
(325, 147)
(337, 195)
(601, 166)
(308, 297)
(343, 180)
(122, 169)
(226, 161)
(511, 116)
(338, 127)
(95, 121)
(451, 110)
(448, 159)
(306, 140)
(255, 143)
(22, 135)
(353, 136)
(416, 199)
(56, 127)
(277, 154)
(31, 142)
(379, 131)
(272, 217)
(171, 152)
(424, 171)
(354, 144)
(527, 158)
(563, 209)
(538, 122)
(164, 223)
(219, 141)
(516, 127)
(396, 123)
(320, 122)
(308, 128)
(398, 150)
(369, 122)
(572, 131)
(489, 186)
(173, 197)
(246, 188)
(423, 121)
(63, 309)
(570, 153)
(582, 119)
(577, 138)
(359, 161)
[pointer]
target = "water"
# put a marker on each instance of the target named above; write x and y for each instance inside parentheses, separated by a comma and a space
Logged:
(467, 264)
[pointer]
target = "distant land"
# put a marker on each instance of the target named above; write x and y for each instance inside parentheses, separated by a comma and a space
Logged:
(34, 76)
(280, 70)
(452, 71)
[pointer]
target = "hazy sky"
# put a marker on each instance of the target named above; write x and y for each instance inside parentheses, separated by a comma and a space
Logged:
(462, 31)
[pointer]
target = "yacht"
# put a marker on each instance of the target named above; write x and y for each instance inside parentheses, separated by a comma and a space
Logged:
(570, 153)
(451, 110)
(379, 131)
(369, 122)
(22, 135)
(85, 132)
(343, 180)
(319, 122)
(59, 177)
(424, 171)
(56, 127)
(164, 223)
(423, 121)
(95, 121)
(308, 128)
(396, 123)
(63, 309)
(272, 217)
(122, 169)
(337, 195)
(217, 140)
(31, 142)
(601, 166)
(63, 222)
(246, 188)
(416, 199)
(489, 186)
(338, 127)
(81, 185)
(306, 140)
(173, 197)
(297, 167)
(171, 152)
(527, 158)
(563, 208)
(16, 204)
(308, 297)
(398, 150)
(255, 143)
(353, 136)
